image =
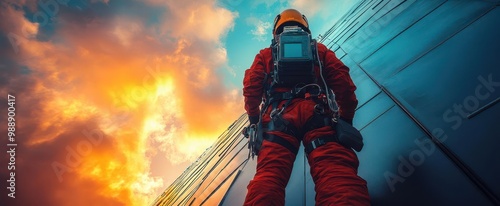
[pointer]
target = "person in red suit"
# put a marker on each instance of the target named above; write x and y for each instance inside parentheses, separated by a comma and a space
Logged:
(333, 166)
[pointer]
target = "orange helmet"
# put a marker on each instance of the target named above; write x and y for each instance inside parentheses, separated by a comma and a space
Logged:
(290, 17)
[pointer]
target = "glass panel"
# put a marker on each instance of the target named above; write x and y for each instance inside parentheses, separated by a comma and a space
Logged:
(238, 190)
(366, 88)
(340, 53)
(403, 168)
(310, 194)
(372, 110)
(412, 43)
(294, 194)
(216, 195)
(385, 25)
(451, 82)
(203, 178)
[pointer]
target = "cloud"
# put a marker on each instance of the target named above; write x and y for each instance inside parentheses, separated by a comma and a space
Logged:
(102, 89)
(193, 20)
(261, 30)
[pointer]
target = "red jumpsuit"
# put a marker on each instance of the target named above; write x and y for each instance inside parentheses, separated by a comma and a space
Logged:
(333, 166)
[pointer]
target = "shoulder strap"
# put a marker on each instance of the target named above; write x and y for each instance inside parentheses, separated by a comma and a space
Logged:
(269, 76)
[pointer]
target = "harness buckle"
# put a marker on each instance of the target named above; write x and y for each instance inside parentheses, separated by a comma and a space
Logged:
(317, 142)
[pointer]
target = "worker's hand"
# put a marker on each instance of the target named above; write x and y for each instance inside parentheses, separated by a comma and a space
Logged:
(245, 132)
(250, 130)
(253, 119)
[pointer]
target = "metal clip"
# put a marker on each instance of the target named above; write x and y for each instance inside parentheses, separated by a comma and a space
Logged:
(335, 119)
(252, 137)
(319, 109)
(275, 112)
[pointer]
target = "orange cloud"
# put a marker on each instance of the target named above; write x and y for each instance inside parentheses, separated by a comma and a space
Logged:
(100, 92)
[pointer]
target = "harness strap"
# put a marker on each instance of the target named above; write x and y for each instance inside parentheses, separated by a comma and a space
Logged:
(319, 119)
(320, 141)
(278, 96)
(281, 141)
(279, 124)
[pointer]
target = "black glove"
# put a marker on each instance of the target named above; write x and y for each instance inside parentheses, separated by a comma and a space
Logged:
(253, 119)
(347, 120)
(245, 132)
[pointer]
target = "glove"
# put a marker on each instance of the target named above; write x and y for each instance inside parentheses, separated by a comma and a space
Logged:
(250, 130)
(245, 132)
(253, 119)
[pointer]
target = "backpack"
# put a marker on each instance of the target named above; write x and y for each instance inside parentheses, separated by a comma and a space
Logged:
(294, 55)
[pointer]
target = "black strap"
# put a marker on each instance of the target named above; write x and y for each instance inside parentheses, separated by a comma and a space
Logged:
(318, 120)
(320, 141)
(281, 141)
(280, 96)
(279, 124)
(297, 92)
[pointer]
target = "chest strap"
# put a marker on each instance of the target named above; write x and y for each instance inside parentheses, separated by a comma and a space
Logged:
(308, 91)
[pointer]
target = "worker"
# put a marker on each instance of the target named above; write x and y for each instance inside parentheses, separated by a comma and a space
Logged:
(288, 94)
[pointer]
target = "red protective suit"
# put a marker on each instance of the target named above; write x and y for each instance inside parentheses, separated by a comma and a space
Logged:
(333, 167)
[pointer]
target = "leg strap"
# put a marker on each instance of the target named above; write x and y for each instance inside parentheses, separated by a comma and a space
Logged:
(281, 141)
(320, 141)
(279, 124)
(319, 119)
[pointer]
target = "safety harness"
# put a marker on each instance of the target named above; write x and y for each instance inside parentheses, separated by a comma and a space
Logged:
(321, 117)
(325, 114)
(294, 58)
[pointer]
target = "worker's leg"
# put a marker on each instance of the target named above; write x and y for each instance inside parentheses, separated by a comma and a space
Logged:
(274, 166)
(334, 170)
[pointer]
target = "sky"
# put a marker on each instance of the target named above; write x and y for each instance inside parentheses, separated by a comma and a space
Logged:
(115, 99)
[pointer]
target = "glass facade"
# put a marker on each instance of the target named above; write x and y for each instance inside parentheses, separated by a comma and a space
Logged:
(428, 78)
